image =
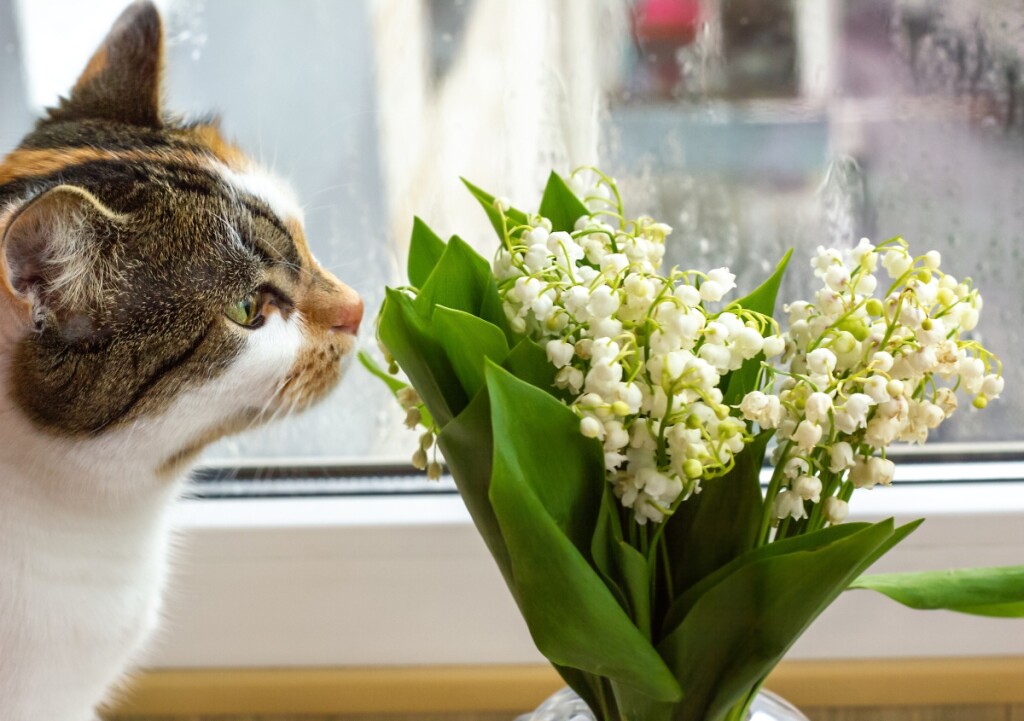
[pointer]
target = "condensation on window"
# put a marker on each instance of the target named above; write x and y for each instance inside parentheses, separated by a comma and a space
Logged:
(750, 126)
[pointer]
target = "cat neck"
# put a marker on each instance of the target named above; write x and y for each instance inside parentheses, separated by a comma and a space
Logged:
(113, 474)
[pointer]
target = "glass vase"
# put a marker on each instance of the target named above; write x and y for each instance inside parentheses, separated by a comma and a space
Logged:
(565, 705)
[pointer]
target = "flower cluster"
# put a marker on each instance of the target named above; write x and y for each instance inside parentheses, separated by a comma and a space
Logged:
(642, 357)
(865, 371)
(640, 353)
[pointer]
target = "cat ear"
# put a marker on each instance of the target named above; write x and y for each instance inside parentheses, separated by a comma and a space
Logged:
(51, 259)
(122, 81)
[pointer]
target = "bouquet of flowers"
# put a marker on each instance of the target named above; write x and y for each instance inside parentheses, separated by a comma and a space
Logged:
(606, 422)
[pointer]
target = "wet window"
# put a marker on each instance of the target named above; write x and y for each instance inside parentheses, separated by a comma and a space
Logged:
(750, 126)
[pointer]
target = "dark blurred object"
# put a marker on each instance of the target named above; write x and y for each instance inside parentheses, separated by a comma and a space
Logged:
(445, 33)
(760, 48)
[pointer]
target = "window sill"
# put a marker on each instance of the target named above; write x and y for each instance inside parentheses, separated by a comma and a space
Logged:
(406, 581)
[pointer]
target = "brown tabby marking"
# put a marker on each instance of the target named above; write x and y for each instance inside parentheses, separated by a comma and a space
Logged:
(164, 225)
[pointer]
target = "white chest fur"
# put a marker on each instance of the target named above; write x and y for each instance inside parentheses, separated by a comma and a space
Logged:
(83, 547)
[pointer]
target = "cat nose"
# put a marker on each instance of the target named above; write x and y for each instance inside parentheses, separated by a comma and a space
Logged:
(348, 314)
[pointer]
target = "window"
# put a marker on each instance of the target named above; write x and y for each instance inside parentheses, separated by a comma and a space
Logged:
(750, 126)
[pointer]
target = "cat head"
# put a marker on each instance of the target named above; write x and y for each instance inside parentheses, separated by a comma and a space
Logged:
(153, 280)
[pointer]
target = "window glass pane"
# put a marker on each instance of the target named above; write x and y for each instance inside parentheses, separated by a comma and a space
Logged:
(748, 125)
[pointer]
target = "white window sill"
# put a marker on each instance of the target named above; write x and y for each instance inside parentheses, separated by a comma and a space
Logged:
(406, 580)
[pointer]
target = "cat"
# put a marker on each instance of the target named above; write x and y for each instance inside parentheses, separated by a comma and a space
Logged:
(156, 294)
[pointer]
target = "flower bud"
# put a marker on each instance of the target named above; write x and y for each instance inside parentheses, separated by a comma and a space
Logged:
(817, 407)
(419, 459)
(841, 457)
(808, 488)
(992, 386)
(773, 345)
(591, 427)
(412, 418)
(693, 469)
(621, 408)
(807, 435)
(559, 353)
(821, 361)
(789, 504)
(408, 397)
(836, 510)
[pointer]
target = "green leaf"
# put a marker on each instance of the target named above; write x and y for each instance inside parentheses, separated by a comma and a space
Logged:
(492, 310)
(515, 217)
(468, 447)
(762, 300)
(607, 535)
(410, 339)
(807, 542)
(625, 570)
(546, 482)
(591, 688)
(995, 591)
(468, 341)
(560, 205)
(742, 626)
(459, 280)
(721, 522)
(529, 362)
(539, 439)
(425, 250)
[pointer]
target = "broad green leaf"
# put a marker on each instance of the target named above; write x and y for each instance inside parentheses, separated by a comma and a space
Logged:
(980, 591)
(468, 341)
(807, 542)
(636, 579)
(607, 535)
(762, 300)
(540, 439)
(529, 362)
(393, 384)
(625, 570)
(459, 280)
(546, 481)
(560, 205)
(593, 689)
(741, 627)
(409, 337)
(492, 311)
(468, 448)
(462, 279)
(720, 523)
(514, 217)
(633, 704)
(425, 250)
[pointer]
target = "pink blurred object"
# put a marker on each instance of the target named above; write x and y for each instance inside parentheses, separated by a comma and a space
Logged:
(666, 20)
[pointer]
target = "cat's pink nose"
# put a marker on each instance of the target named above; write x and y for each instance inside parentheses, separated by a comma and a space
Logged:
(348, 315)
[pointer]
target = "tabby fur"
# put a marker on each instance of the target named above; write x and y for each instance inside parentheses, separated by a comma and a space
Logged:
(125, 235)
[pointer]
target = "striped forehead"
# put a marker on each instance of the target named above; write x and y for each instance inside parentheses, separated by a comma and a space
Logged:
(265, 187)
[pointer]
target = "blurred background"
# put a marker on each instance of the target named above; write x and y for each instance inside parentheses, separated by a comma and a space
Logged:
(748, 125)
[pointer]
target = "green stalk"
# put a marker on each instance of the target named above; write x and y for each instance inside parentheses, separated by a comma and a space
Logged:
(769, 497)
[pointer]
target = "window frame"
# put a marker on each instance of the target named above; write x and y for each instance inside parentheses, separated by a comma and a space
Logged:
(405, 580)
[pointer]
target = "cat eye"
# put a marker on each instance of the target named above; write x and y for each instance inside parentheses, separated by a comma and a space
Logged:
(247, 311)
